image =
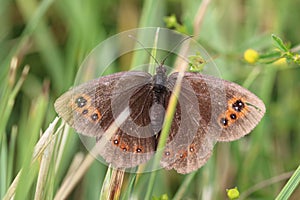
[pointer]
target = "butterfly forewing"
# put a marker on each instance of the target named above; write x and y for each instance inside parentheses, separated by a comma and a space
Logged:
(243, 112)
(78, 105)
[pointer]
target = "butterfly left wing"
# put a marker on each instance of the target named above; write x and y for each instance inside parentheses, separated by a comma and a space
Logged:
(91, 109)
(213, 110)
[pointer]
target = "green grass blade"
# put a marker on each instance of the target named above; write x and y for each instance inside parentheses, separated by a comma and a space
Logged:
(33, 125)
(291, 185)
(31, 26)
(184, 186)
(11, 153)
(151, 15)
(128, 191)
(105, 187)
(44, 39)
(165, 131)
(9, 100)
(3, 166)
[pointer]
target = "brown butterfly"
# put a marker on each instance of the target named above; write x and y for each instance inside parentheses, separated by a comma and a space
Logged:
(209, 109)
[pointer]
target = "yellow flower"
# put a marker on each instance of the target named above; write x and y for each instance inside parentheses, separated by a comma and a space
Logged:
(233, 193)
(281, 61)
(251, 56)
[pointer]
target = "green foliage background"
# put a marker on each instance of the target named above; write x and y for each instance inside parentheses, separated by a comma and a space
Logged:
(53, 38)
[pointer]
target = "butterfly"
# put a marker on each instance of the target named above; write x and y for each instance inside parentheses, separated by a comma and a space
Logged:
(209, 110)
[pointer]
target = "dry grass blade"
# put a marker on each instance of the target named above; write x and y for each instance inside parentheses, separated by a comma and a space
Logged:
(74, 175)
(45, 139)
(12, 188)
(40, 146)
(62, 138)
(112, 184)
(199, 16)
(44, 170)
(12, 71)
(116, 184)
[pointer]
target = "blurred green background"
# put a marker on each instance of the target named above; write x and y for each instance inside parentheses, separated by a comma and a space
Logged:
(54, 37)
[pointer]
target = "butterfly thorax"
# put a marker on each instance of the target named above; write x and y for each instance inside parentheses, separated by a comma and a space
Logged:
(159, 85)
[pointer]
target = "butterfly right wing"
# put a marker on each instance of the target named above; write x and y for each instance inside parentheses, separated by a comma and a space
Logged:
(209, 110)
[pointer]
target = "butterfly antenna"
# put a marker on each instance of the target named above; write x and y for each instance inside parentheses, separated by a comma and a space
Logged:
(184, 39)
(132, 37)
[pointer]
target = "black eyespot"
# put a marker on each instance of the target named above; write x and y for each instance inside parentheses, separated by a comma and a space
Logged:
(85, 111)
(116, 141)
(167, 153)
(233, 116)
(238, 106)
(81, 102)
(138, 150)
(95, 116)
(124, 149)
(192, 149)
(224, 121)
